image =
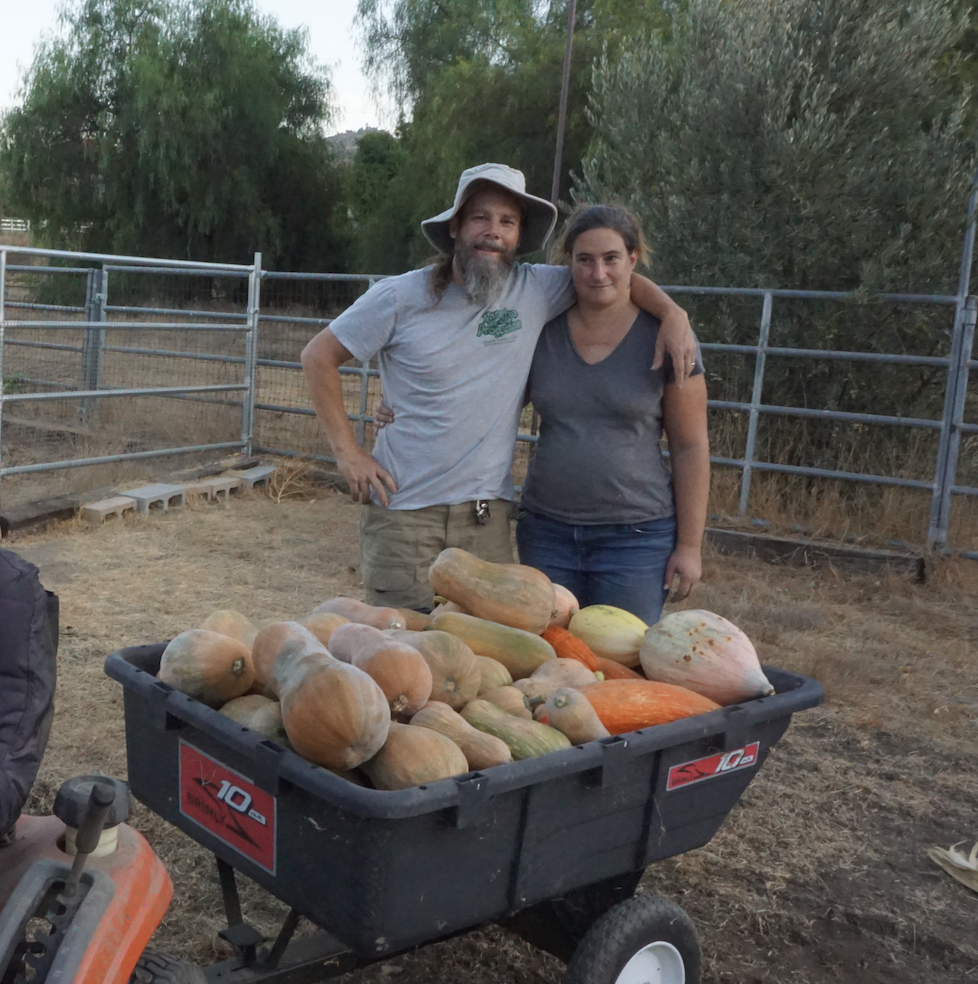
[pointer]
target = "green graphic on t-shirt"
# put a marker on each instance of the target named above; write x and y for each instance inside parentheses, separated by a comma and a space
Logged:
(499, 323)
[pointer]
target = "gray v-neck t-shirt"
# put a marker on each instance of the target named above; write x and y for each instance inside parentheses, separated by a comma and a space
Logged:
(598, 459)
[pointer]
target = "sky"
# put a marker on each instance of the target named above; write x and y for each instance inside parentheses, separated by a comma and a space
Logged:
(331, 41)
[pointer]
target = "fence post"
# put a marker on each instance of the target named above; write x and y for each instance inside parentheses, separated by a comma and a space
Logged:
(364, 392)
(93, 347)
(757, 392)
(251, 357)
(956, 389)
(3, 382)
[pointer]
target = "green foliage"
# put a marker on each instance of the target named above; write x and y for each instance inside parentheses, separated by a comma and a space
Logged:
(187, 129)
(481, 80)
(809, 144)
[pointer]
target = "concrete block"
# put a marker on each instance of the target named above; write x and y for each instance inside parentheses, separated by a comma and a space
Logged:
(226, 484)
(160, 495)
(97, 512)
(202, 489)
(256, 476)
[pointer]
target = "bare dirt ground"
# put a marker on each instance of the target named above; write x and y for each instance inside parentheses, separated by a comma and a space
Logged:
(818, 876)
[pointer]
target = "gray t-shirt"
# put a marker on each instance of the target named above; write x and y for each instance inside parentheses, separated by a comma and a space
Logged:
(454, 375)
(598, 459)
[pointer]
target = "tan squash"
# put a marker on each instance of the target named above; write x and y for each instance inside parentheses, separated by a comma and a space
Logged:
(208, 666)
(511, 700)
(414, 756)
(481, 750)
(525, 739)
(519, 651)
(565, 606)
(359, 611)
(492, 674)
(455, 674)
(571, 713)
(323, 625)
(280, 642)
(415, 621)
(258, 714)
(334, 714)
(554, 674)
(231, 623)
(447, 606)
(354, 638)
(511, 594)
(401, 673)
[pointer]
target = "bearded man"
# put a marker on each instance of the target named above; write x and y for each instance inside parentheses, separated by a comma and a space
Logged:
(454, 342)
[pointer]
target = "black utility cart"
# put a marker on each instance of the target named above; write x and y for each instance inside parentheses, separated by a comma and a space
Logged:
(552, 848)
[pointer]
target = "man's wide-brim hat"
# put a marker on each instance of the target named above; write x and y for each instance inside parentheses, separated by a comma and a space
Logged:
(539, 216)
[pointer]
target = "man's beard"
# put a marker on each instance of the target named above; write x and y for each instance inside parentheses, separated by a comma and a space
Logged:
(484, 277)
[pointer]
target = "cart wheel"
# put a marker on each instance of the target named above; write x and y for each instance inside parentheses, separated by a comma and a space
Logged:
(643, 940)
(156, 967)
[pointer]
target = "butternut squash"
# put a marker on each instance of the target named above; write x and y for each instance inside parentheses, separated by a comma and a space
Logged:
(627, 705)
(565, 606)
(481, 750)
(412, 756)
(519, 651)
(323, 624)
(208, 666)
(231, 623)
(414, 621)
(526, 739)
(354, 638)
(511, 594)
(455, 674)
(358, 611)
(492, 674)
(511, 700)
(571, 713)
(275, 646)
(705, 653)
(334, 714)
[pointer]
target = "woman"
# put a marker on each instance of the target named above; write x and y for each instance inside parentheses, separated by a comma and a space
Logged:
(600, 512)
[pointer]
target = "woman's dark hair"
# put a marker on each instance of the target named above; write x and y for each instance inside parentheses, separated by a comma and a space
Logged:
(584, 218)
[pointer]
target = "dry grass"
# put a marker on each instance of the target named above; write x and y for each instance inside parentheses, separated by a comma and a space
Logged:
(819, 875)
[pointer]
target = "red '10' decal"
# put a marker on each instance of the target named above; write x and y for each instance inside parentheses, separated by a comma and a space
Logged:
(712, 766)
(223, 802)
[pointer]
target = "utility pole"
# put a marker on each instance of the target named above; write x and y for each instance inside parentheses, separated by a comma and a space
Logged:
(562, 112)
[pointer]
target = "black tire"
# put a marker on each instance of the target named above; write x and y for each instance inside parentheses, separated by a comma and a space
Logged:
(156, 967)
(624, 930)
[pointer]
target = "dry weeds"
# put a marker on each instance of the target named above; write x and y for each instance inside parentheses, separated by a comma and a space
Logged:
(818, 876)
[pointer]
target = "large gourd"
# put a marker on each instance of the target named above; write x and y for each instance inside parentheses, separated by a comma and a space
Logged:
(334, 714)
(526, 739)
(481, 750)
(706, 653)
(610, 632)
(275, 646)
(412, 756)
(519, 651)
(231, 623)
(208, 666)
(627, 705)
(455, 673)
(511, 594)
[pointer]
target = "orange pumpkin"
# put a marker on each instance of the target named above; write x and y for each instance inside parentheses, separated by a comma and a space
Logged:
(208, 666)
(627, 705)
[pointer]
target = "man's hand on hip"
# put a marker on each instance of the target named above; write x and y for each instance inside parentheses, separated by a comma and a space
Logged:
(364, 472)
(676, 338)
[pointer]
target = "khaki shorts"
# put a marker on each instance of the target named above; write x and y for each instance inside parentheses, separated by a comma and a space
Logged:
(397, 546)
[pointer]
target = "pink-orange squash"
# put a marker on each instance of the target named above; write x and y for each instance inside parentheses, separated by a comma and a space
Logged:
(211, 667)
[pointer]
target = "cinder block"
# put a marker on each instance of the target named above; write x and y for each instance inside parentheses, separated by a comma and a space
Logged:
(159, 494)
(226, 484)
(96, 512)
(256, 476)
(204, 489)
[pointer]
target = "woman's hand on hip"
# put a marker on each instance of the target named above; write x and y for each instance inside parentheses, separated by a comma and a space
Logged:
(686, 562)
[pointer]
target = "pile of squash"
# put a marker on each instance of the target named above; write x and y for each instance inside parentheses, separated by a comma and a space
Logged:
(506, 668)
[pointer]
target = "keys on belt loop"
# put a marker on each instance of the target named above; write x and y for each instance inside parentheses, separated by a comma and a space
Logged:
(482, 516)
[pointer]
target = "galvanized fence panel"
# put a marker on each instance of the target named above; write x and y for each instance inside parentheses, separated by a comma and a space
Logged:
(245, 362)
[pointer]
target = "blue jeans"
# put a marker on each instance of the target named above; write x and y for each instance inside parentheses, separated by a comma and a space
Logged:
(610, 564)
